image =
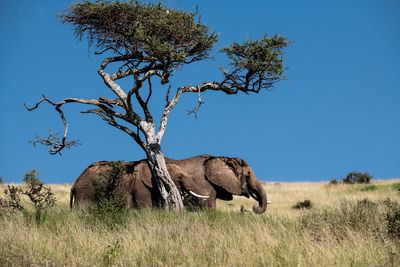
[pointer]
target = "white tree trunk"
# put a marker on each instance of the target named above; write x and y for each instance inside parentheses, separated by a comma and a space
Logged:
(170, 197)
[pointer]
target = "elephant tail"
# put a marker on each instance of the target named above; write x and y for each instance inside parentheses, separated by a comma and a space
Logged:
(72, 196)
(260, 195)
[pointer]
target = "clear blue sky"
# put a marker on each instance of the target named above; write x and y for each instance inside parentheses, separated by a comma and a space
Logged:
(338, 110)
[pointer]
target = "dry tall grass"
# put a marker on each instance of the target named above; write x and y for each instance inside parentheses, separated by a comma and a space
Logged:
(329, 234)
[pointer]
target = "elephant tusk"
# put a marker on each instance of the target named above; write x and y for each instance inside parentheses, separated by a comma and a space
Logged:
(197, 195)
(269, 202)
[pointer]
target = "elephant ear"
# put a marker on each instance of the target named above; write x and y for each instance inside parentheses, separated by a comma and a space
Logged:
(220, 173)
(142, 171)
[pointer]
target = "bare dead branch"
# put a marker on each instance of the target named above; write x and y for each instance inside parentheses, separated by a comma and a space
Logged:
(54, 142)
(56, 145)
(195, 110)
(215, 86)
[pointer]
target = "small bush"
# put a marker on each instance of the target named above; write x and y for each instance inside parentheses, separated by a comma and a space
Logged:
(364, 215)
(333, 182)
(40, 196)
(357, 178)
(1, 180)
(393, 218)
(11, 201)
(306, 204)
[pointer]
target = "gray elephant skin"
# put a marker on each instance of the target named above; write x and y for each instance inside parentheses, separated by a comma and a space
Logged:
(204, 175)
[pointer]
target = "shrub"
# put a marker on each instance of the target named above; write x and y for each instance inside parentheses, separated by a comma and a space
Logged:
(357, 178)
(363, 215)
(333, 181)
(306, 204)
(393, 218)
(1, 180)
(12, 200)
(40, 196)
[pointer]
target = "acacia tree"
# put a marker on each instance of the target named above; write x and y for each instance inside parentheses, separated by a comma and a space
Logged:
(147, 42)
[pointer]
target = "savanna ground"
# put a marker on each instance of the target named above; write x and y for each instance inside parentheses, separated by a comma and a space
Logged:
(348, 225)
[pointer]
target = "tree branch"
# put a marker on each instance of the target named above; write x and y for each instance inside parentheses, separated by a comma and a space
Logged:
(168, 107)
(55, 146)
(111, 121)
(215, 86)
(53, 141)
(110, 80)
(105, 106)
(144, 104)
(150, 92)
(113, 85)
(195, 110)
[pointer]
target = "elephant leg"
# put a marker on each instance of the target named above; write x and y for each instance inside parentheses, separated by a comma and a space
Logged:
(142, 196)
(142, 199)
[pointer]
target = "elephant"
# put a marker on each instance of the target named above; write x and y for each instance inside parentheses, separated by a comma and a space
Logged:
(201, 179)
(134, 187)
(220, 178)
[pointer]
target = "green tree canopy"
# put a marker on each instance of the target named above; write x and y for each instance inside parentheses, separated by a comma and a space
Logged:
(145, 33)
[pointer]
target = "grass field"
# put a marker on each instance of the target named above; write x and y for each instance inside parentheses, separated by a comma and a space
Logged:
(348, 225)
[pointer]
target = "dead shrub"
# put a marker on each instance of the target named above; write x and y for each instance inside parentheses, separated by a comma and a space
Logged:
(306, 204)
(40, 196)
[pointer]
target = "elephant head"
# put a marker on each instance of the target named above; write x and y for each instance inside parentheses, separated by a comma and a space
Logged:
(233, 176)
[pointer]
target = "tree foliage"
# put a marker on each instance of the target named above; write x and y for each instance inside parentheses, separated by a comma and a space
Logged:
(255, 64)
(145, 33)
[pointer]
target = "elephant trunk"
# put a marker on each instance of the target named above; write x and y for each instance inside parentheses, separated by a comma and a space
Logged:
(258, 193)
